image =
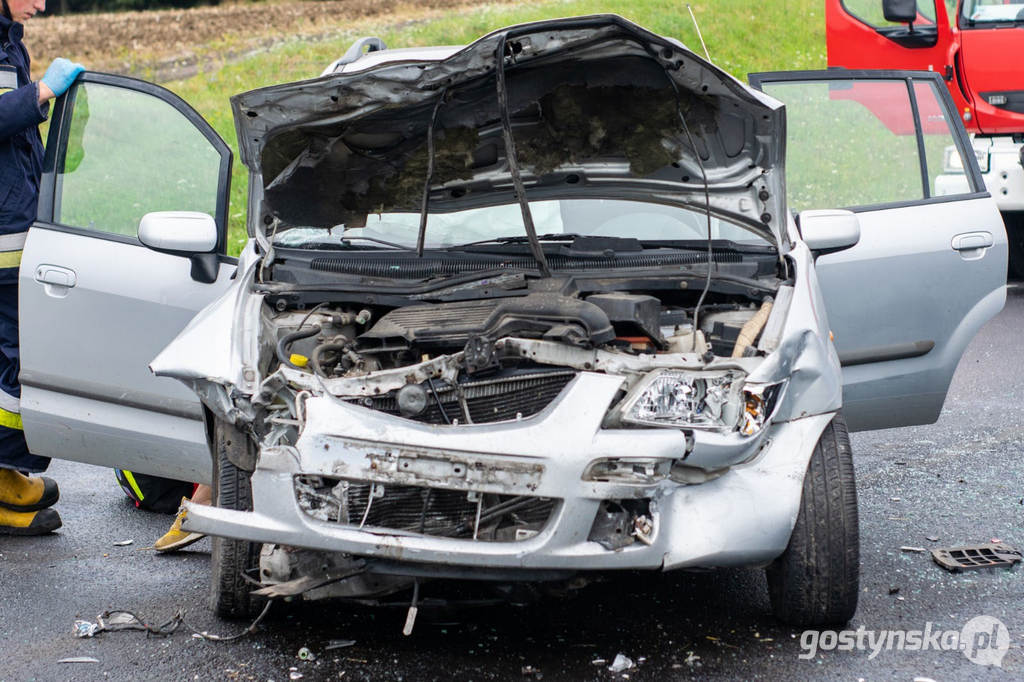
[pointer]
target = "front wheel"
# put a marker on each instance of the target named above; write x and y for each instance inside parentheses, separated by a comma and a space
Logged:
(230, 593)
(816, 580)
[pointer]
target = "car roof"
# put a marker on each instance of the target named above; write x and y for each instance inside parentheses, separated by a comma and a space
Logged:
(371, 59)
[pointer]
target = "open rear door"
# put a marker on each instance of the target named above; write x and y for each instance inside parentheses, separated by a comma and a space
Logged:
(929, 270)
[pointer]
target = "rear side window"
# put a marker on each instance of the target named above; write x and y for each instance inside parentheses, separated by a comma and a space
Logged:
(857, 143)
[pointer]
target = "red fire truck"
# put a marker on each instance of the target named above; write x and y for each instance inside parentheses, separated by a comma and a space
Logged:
(978, 47)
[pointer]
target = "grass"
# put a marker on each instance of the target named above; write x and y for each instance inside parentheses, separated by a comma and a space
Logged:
(741, 37)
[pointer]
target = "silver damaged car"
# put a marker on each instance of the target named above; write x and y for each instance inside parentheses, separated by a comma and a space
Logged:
(524, 310)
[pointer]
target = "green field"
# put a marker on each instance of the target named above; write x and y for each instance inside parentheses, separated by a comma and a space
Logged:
(741, 37)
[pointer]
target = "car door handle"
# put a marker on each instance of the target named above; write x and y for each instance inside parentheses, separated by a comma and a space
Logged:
(972, 241)
(56, 276)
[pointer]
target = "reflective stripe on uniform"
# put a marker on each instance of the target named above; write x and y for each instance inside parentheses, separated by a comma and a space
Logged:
(14, 241)
(8, 403)
(10, 248)
(11, 420)
(135, 486)
(10, 259)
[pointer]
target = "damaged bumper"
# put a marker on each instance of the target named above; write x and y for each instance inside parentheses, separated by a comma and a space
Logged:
(578, 496)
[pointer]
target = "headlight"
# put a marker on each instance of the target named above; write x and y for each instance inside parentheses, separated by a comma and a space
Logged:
(698, 400)
(953, 163)
(717, 400)
(758, 405)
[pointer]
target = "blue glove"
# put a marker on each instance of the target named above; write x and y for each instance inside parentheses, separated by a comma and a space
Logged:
(61, 74)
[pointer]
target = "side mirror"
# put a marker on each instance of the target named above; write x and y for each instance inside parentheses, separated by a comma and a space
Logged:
(900, 11)
(184, 233)
(181, 232)
(828, 231)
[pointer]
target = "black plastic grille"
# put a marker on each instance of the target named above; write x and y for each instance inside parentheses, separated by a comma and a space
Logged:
(398, 267)
(489, 400)
(428, 511)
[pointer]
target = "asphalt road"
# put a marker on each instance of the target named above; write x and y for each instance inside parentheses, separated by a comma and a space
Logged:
(959, 481)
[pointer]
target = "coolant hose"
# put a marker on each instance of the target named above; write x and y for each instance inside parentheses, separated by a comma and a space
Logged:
(289, 339)
(749, 331)
(318, 353)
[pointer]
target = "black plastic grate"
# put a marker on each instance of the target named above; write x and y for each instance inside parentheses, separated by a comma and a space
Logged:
(490, 400)
(404, 267)
(428, 511)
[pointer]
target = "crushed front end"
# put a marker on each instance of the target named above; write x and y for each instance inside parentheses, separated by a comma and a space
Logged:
(637, 383)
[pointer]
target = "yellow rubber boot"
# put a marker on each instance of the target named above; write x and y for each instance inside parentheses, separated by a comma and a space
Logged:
(29, 523)
(23, 494)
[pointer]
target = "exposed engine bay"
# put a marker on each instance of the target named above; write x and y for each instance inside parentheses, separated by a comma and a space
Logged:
(506, 356)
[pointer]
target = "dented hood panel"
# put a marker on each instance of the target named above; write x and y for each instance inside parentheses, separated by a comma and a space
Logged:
(600, 108)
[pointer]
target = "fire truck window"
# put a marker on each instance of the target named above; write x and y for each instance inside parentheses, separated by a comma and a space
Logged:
(870, 12)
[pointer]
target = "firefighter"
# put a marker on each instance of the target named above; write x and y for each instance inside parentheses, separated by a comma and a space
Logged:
(24, 501)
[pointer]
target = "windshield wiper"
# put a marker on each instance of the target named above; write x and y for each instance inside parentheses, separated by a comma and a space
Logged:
(519, 239)
(344, 243)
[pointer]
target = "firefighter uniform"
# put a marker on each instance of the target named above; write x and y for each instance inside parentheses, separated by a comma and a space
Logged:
(24, 501)
(21, 164)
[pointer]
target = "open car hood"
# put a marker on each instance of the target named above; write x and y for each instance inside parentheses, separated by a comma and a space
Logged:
(599, 108)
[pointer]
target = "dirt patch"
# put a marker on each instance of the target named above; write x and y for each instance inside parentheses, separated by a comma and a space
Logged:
(164, 44)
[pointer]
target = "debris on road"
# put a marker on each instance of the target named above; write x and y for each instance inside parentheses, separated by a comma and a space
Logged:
(912, 549)
(79, 659)
(621, 662)
(112, 621)
(339, 644)
(306, 655)
(123, 543)
(932, 538)
(956, 559)
(83, 628)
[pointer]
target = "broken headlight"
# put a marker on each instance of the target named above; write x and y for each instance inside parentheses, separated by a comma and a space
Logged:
(701, 400)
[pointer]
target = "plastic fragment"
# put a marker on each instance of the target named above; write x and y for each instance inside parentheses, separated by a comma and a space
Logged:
(912, 549)
(79, 659)
(123, 543)
(598, 661)
(83, 628)
(621, 662)
(932, 538)
(339, 644)
(306, 655)
(410, 621)
(979, 556)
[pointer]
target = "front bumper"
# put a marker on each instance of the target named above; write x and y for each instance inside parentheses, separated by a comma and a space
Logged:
(744, 517)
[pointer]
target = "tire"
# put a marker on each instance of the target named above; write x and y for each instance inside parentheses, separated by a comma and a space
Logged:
(816, 580)
(230, 593)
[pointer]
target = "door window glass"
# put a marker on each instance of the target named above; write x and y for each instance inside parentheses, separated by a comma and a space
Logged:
(870, 12)
(130, 153)
(992, 12)
(849, 143)
(945, 163)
